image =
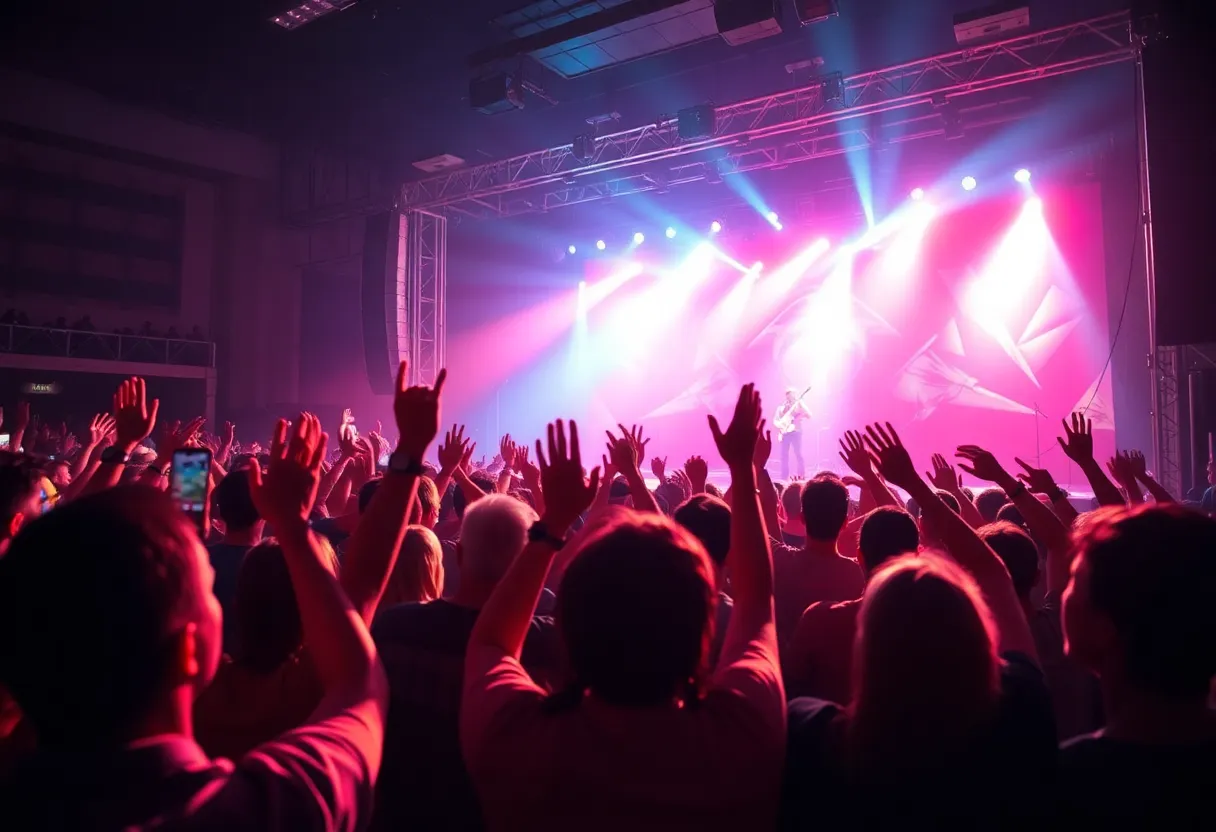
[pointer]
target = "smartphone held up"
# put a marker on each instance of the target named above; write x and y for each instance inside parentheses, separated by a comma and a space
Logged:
(188, 482)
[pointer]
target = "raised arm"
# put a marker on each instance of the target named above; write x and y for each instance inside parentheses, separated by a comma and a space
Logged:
(698, 473)
(1078, 444)
(764, 483)
(750, 560)
(531, 475)
(626, 453)
(945, 478)
(1140, 470)
(451, 452)
(1042, 521)
(1124, 474)
(861, 463)
(506, 617)
(506, 449)
(174, 437)
(134, 418)
(100, 428)
(377, 539)
(960, 540)
(337, 639)
(1039, 481)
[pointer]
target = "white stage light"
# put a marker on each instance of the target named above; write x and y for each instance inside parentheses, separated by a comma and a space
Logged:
(969, 183)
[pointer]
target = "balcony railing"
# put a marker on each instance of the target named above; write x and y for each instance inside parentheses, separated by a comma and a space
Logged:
(101, 346)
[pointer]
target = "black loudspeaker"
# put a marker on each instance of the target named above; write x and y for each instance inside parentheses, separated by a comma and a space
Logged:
(1179, 111)
(743, 21)
(383, 301)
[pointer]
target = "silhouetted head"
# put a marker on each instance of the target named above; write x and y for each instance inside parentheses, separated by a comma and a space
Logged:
(1018, 552)
(1141, 605)
(886, 532)
(825, 508)
(636, 612)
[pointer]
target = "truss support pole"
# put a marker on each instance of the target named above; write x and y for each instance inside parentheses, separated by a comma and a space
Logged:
(426, 294)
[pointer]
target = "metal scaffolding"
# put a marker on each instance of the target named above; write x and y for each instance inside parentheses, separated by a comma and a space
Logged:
(771, 131)
(426, 292)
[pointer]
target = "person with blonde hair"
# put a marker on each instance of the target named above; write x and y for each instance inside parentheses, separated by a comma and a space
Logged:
(418, 574)
(951, 723)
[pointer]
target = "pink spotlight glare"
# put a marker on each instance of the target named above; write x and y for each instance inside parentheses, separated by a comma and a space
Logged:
(918, 194)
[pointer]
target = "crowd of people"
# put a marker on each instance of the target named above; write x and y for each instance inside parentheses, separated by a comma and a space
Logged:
(386, 635)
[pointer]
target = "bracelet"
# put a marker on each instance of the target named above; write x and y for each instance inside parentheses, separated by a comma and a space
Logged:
(538, 532)
(1016, 490)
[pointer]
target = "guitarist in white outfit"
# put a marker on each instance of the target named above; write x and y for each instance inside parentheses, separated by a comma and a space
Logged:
(788, 422)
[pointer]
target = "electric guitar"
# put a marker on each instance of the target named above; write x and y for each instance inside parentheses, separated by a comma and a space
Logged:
(784, 421)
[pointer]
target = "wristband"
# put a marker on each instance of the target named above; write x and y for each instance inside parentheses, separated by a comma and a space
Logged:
(1017, 489)
(1057, 494)
(400, 462)
(113, 455)
(538, 532)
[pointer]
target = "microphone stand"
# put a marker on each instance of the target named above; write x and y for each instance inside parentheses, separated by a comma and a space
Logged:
(1038, 448)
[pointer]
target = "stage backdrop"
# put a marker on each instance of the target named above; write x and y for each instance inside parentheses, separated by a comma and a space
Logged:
(979, 322)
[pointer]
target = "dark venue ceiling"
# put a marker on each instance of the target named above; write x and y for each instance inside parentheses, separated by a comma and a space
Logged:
(389, 78)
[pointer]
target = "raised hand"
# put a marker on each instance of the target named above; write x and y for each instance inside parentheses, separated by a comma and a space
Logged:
(623, 453)
(1122, 469)
(100, 428)
(348, 418)
(737, 444)
(943, 477)
(893, 460)
(1138, 463)
(227, 434)
(764, 448)
(855, 455)
(634, 435)
(658, 467)
(284, 495)
(1078, 439)
(983, 464)
(417, 411)
(507, 450)
(609, 470)
(698, 471)
(134, 416)
(177, 435)
(567, 493)
(451, 452)
(1038, 480)
(466, 459)
(681, 479)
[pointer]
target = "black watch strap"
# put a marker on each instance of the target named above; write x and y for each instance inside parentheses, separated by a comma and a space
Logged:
(113, 455)
(539, 533)
(1017, 489)
(402, 463)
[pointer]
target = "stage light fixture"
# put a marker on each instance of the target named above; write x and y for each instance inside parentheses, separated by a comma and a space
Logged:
(601, 245)
(715, 227)
(308, 11)
(571, 249)
(638, 238)
(671, 232)
(969, 183)
(1023, 176)
(918, 194)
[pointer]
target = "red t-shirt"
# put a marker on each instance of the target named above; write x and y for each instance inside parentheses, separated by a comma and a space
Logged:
(715, 765)
(800, 578)
(818, 661)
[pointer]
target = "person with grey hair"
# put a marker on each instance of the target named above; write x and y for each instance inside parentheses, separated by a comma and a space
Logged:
(423, 781)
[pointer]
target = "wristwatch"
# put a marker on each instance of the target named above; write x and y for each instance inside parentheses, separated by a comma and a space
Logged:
(1057, 494)
(400, 462)
(1015, 490)
(538, 532)
(114, 455)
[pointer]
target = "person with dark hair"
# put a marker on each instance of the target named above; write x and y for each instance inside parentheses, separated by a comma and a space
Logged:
(819, 659)
(266, 683)
(1140, 612)
(243, 529)
(708, 518)
(20, 495)
(644, 731)
(946, 694)
(816, 571)
(116, 748)
(989, 502)
(793, 530)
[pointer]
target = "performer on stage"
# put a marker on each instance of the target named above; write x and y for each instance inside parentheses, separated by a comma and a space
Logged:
(788, 424)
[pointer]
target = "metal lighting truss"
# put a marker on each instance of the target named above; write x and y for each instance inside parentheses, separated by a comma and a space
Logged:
(771, 131)
(1167, 375)
(426, 290)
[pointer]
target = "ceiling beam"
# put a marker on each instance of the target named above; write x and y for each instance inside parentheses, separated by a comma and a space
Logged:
(577, 28)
